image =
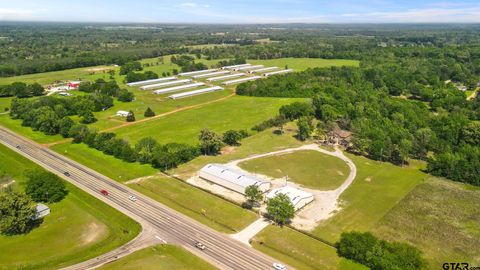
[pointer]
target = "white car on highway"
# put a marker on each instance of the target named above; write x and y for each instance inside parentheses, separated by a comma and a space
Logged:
(278, 266)
(132, 198)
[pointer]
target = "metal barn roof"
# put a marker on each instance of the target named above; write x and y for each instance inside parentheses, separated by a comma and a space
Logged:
(151, 81)
(196, 92)
(295, 195)
(178, 88)
(233, 176)
(160, 85)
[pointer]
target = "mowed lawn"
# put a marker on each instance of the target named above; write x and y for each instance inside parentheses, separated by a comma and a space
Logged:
(79, 227)
(311, 169)
(109, 166)
(300, 251)
(164, 257)
(441, 218)
(378, 187)
(185, 126)
(301, 64)
(195, 203)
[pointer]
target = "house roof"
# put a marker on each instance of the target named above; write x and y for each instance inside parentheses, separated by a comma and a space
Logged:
(231, 175)
(295, 195)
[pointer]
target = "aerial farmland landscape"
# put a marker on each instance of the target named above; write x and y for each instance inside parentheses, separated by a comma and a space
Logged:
(240, 135)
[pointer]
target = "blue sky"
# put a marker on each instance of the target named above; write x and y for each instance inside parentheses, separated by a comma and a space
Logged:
(247, 11)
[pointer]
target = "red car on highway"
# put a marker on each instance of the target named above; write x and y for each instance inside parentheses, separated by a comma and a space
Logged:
(104, 192)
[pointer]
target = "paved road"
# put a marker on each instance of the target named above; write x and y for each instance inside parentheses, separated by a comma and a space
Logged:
(222, 251)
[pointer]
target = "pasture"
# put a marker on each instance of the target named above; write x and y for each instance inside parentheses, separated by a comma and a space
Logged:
(161, 257)
(301, 64)
(311, 169)
(185, 126)
(92, 227)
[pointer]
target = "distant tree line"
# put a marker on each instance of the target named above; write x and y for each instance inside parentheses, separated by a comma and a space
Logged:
(187, 63)
(21, 90)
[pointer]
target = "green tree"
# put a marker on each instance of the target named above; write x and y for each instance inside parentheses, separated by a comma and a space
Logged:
(65, 124)
(43, 186)
(280, 209)
(125, 95)
(149, 113)
(253, 194)
(210, 142)
(145, 150)
(130, 117)
(88, 118)
(232, 137)
(16, 212)
(305, 128)
(36, 89)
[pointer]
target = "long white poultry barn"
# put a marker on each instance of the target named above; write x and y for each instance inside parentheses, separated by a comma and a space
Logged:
(178, 88)
(210, 74)
(160, 85)
(221, 78)
(151, 81)
(278, 72)
(298, 198)
(232, 179)
(236, 66)
(252, 78)
(197, 72)
(263, 69)
(196, 92)
(248, 67)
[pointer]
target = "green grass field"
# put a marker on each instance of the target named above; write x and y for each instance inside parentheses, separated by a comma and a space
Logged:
(311, 169)
(262, 142)
(78, 228)
(165, 257)
(108, 165)
(378, 187)
(440, 217)
(184, 127)
(299, 250)
(301, 64)
(195, 203)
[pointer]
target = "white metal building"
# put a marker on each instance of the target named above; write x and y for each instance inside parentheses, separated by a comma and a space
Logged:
(122, 113)
(196, 92)
(263, 70)
(151, 81)
(178, 88)
(252, 78)
(232, 179)
(160, 85)
(299, 198)
(221, 78)
(248, 67)
(236, 66)
(283, 71)
(210, 74)
(190, 73)
(41, 210)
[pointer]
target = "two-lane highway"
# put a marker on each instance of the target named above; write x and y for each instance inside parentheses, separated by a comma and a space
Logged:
(223, 251)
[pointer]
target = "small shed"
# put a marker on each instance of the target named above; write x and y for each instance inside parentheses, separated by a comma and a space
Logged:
(122, 113)
(41, 210)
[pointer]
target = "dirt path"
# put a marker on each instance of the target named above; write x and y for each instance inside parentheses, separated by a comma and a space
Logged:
(167, 113)
(326, 203)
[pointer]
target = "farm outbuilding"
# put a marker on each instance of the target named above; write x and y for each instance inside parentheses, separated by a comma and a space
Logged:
(248, 67)
(151, 81)
(299, 198)
(263, 70)
(221, 78)
(210, 74)
(236, 66)
(232, 179)
(122, 113)
(178, 88)
(191, 73)
(74, 84)
(160, 85)
(252, 78)
(196, 92)
(41, 210)
(283, 71)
